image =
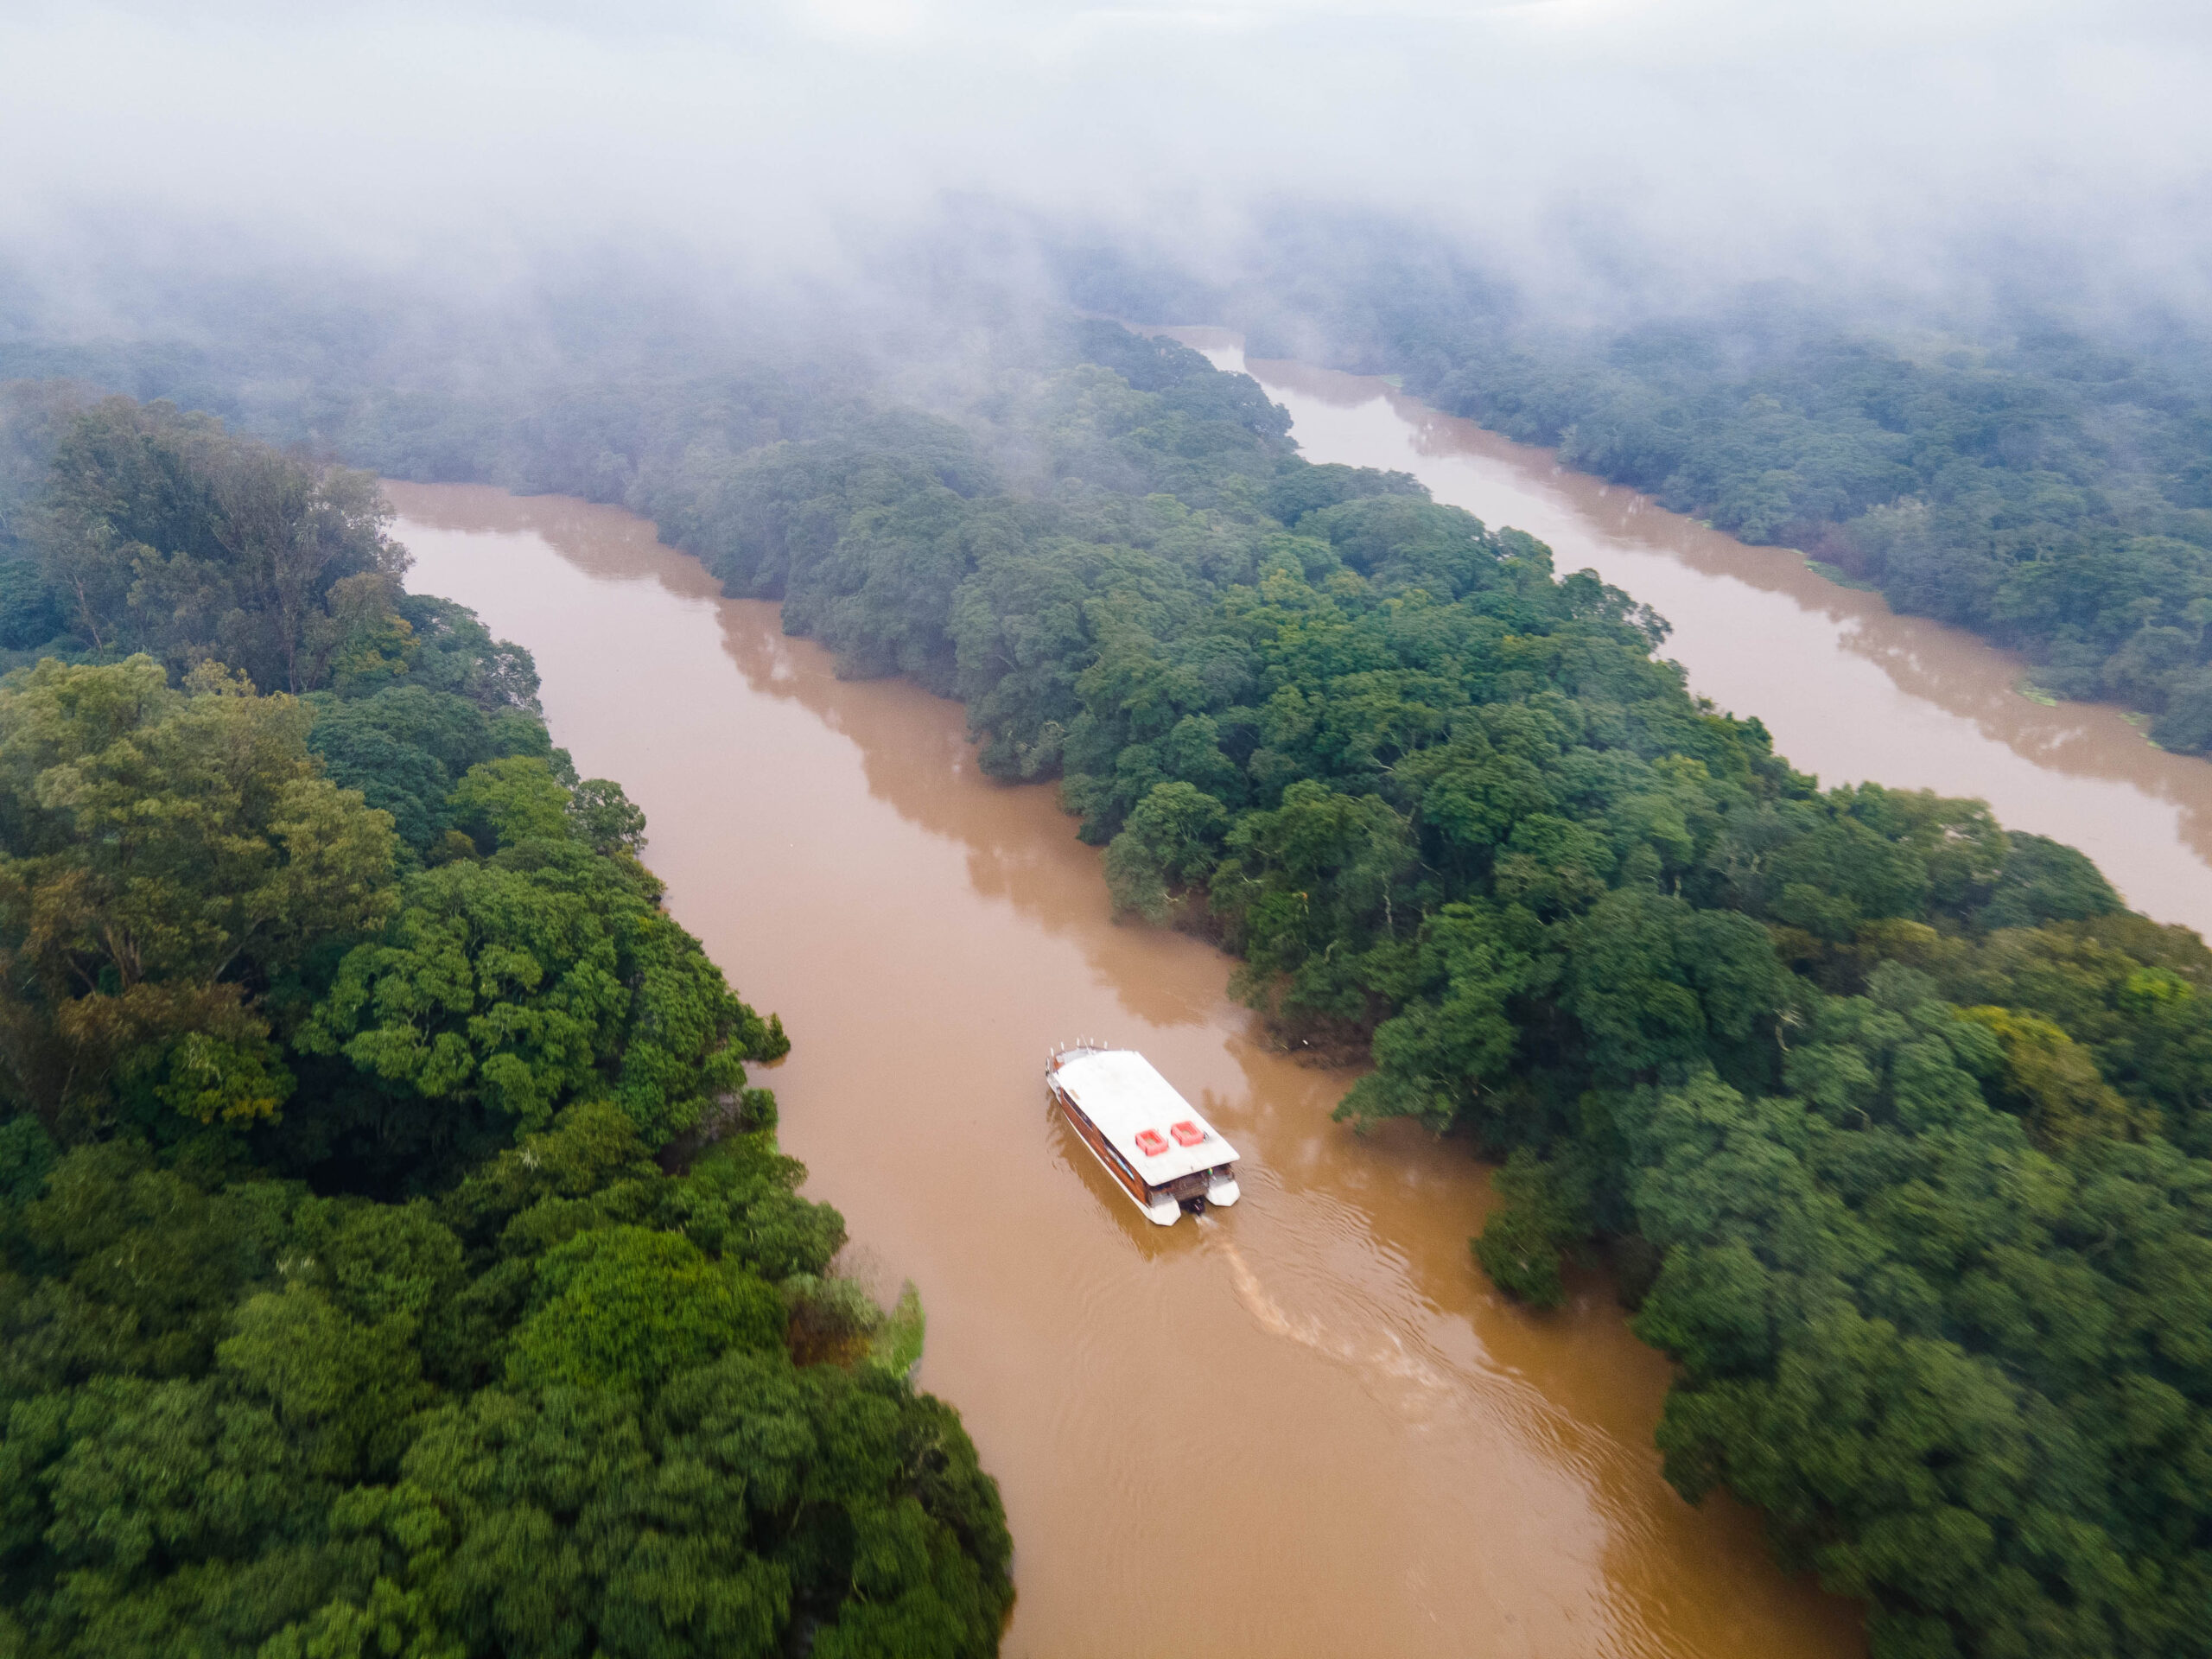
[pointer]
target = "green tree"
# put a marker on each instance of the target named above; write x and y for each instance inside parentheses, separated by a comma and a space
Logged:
(1174, 837)
(627, 1307)
(162, 533)
(163, 857)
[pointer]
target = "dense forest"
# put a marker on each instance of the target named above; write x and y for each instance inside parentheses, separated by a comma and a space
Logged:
(2012, 469)
(2047, 493)
(394, 1255)
(2013, 473)
(1892, 1125)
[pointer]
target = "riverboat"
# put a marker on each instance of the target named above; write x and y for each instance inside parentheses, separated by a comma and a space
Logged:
(1153, 1142)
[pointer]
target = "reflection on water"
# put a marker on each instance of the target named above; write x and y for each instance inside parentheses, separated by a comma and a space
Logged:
(1850, 689)
(1305, 1427)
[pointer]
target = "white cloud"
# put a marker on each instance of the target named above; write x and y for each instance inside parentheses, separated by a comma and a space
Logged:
(1699, 139)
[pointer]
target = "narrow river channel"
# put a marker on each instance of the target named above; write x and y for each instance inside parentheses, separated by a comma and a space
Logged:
(1850, 689)
(1304, 1427)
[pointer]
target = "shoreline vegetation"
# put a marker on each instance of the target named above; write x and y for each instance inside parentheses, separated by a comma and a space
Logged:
(2022, 479)
(1893, 1125)
(395, 1256)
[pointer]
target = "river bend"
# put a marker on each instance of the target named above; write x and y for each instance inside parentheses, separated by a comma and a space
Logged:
(1306, 1427)
(1851, 690)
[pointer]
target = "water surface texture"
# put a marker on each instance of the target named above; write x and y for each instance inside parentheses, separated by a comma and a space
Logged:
(1850, 689)
(1305, 1427)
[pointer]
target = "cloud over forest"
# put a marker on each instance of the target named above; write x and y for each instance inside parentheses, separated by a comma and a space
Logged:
(1575, 143)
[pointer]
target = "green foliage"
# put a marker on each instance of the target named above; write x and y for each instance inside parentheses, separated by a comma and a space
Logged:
(1916, 1292)
(1454, 1037)
(628, 1307)
(158, 532)
(503, 803)
(406, 747)
(2045, 881)
(1857, 1071)
(163, 857)
(2042, 489)
(504, 988)
(1543, 1210)
(1172, 836)
(306, 1480)
(393, 1254)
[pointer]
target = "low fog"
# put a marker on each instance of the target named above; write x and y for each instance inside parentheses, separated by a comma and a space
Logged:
(1592, 152)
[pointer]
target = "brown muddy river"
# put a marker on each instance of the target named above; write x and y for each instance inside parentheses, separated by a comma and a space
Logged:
(1849, 690)
(1304, 1426)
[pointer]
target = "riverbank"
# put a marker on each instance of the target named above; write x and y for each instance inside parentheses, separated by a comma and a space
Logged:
(1851, 690)
(1314, 1406)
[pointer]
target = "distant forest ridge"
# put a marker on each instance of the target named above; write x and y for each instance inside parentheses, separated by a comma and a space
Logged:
(2039, 478)
(1895, 1126)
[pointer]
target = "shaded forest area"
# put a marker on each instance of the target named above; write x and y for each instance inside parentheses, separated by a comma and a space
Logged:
(1892, 1124)
(394, 1255)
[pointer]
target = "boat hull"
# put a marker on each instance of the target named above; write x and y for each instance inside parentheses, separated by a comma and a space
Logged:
(1161, 1205)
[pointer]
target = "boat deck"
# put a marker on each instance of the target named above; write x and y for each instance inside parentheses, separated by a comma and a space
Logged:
(1155, 1143)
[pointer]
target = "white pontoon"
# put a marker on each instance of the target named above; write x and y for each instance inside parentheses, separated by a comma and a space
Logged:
(1151, 1141)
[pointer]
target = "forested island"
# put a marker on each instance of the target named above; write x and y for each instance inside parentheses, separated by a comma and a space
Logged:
(1891, 1124)
(394, 1255)
(2012, 470)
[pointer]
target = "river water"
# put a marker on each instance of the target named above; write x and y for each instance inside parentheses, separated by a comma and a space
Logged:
(1305, 1427)
(1849, 690)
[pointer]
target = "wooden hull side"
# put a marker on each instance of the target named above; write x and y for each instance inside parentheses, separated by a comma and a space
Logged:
(1102, 1148)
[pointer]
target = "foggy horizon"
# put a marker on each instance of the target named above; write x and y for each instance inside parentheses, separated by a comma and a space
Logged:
(1594, 157)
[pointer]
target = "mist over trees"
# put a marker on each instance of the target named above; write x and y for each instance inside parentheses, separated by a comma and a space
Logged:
(2047, 490)
(2020, 463)
(1892, 1123)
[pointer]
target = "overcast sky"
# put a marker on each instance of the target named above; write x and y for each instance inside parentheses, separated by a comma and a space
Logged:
(1696, 140)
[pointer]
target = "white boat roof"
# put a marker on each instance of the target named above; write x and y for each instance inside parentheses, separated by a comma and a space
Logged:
(1118, 1090)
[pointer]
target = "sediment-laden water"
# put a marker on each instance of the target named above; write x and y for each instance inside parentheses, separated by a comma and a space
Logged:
(1850, 689)
(1305, 1427)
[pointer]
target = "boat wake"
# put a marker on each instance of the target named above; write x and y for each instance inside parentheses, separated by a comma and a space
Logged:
(1386, 1360)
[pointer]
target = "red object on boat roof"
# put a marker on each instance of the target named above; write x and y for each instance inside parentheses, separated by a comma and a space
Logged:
(1116, 1102)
